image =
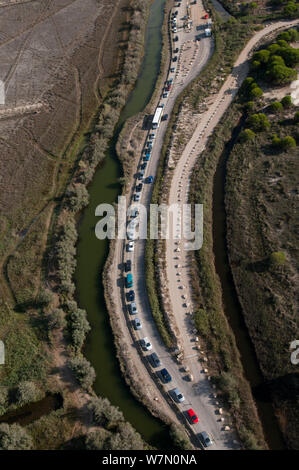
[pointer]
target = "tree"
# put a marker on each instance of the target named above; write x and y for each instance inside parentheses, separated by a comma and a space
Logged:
(276, 107)
(56, 319)
(290, 9)
(179, 437)
(27, 392)
(247, 135)
(277, 258)
(255, 92)
(280, 74)
(125, 439)
(296, 117)
(104, 413)
(45, 297)
(14, 437)
(77, 197)
(3, 399)
(95, 440)
(79, 327)
(83, 371)
(287, 142)
(286, 101)
(258, 122)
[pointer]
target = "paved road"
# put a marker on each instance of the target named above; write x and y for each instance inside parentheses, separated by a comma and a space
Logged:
(196, 397)
(197, 394)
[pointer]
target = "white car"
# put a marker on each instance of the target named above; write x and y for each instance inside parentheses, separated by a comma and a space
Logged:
(130, 246)
(146, 344)
(131, 235)
(137, 197)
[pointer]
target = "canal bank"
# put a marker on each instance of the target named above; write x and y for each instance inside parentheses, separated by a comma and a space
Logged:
(231, 304)
(92, 253)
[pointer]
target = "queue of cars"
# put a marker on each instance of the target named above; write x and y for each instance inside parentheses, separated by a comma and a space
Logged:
(144, 342)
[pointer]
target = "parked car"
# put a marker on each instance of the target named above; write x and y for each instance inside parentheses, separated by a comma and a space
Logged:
(165, 117)
(165, 95)
(145, 344)
(140, 175)
(139, 188)
(152, 136)
(133, 308)
(131, 235)
(149, 179)
(128, 265)
(172, 69)
(147, 157)
(143, 165)
(129, 280)
(205, 439)
(137, 324)
(178, 396)
(154, 359)
(130, 296)
(176, 38)
(192, 416)
(130, 246)
(176, 50)
(136, 199)
(175, 58)
(166, 377)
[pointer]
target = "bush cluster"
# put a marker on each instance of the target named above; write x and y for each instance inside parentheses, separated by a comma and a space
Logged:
(277, 62)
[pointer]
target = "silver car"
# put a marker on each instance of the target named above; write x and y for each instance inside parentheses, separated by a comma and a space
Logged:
(178, 396)
(137, 324)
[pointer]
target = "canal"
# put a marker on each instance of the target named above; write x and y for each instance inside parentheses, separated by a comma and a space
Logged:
(92, 254)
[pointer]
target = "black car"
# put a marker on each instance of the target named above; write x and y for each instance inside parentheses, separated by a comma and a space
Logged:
(175, 59)
(139, 188)
(143, 166)
(176, 38)
(166, 377)
(130, 296)
(154, 359)
(128, 265)
(165, 117)
(176, 50)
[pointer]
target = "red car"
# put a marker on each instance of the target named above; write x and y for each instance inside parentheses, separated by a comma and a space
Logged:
(192, 416)
(206, 16)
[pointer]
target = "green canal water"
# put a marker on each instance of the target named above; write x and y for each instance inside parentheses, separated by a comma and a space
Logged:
(92, 254)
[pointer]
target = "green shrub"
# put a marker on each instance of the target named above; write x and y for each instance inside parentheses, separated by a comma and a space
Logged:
(27, 392)
(277, 258)
(276, 107)
(247, 135)
(83, 371)
(201, 321)
(296, 117)
(179, 437)
(14, 437)
(258, 122)
(56, 319)
(287, 142)
(286, 101)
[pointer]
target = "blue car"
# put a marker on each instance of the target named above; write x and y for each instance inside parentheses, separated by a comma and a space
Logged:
(149, 179)
(166, 377)
(147, 157)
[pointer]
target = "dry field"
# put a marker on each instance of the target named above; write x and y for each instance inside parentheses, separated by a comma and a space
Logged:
(63, 54)
(60, 53)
